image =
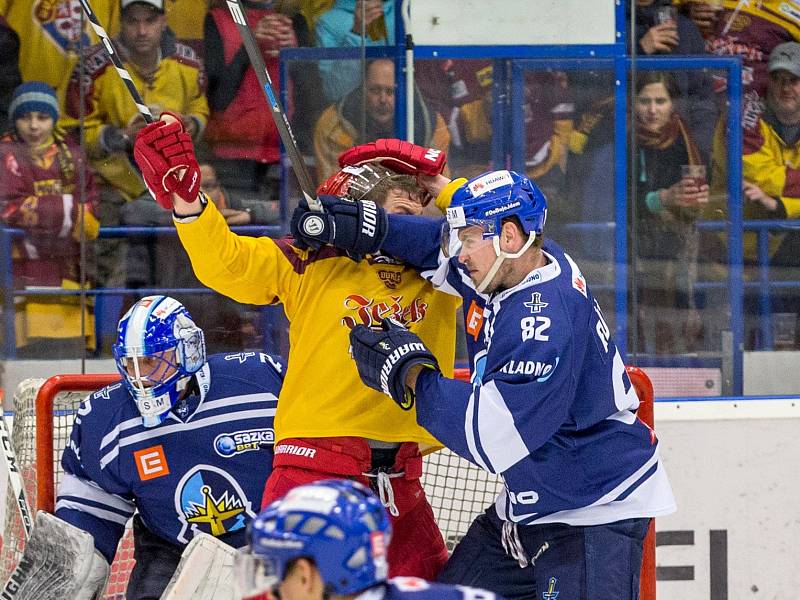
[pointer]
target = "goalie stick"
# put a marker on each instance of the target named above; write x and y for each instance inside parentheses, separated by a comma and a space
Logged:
(278, 114)
(114, 56)
(18, 489)
(15, 478)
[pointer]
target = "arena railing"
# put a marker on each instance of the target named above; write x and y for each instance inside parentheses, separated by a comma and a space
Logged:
(9, 292)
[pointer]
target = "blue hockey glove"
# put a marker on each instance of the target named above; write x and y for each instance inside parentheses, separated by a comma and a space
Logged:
(385, 355)
(356, 227)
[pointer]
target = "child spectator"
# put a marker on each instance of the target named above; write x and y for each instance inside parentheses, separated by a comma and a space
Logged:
(41, 179)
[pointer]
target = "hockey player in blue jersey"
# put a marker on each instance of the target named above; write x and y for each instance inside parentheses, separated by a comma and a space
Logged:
(327, 541)
(550, 406)
(184, 442)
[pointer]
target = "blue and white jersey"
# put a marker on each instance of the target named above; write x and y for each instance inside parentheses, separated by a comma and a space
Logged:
(202, 469)
(412, 588)
(550, 407)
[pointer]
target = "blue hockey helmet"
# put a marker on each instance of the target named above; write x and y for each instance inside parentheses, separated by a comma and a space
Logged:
(488, 199)
(338, 524)
(158, 347)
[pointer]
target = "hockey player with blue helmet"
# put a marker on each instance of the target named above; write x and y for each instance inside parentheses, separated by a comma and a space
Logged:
(158, 349)
(328, 540)
(183, 445)
(550, 406)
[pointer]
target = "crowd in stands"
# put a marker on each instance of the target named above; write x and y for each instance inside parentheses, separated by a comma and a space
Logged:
(67, 153)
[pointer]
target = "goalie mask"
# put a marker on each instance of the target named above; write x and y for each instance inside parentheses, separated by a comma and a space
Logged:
(486, 202)
(337, 524)
(158, 348)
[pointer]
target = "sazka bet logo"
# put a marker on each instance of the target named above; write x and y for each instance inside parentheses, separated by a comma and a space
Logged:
(209, 500)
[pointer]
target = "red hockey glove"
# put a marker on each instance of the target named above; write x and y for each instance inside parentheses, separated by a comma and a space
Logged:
(165, 155)
(398, 155)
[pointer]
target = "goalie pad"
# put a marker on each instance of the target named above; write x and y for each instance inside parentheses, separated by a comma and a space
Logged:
(205, 571)
(59, 561)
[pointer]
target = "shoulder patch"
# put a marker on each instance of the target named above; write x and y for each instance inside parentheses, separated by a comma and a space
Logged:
(576, 277)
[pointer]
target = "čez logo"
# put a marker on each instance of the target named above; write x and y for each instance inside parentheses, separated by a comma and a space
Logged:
(231, 444)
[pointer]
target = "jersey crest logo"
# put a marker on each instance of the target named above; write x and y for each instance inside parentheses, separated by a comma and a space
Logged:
(209, 500)
(61, 22)
(370, 313)
(391, 279)
(551, 593)
(536, 305)
(151, 463)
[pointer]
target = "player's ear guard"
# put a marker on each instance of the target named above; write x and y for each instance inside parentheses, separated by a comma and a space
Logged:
(356, 227)
(383, 357)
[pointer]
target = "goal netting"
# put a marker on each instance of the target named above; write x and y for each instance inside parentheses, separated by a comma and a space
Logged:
(457, 490)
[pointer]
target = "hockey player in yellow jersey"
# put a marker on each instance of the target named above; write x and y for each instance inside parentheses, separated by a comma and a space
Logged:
(327, 424)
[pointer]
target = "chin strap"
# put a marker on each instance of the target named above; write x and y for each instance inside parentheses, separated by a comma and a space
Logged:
(501, 256)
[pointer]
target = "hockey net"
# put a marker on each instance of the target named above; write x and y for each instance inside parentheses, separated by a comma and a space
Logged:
(45, 409)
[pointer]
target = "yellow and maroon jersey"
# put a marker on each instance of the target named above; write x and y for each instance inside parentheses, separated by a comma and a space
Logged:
(324, 294)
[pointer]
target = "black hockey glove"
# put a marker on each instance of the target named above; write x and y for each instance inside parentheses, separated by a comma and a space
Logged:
(384, 356)
(356, 227)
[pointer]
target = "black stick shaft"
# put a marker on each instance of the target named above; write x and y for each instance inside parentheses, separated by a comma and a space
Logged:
(278, 114)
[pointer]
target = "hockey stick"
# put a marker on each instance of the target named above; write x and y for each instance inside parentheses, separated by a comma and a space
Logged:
(278, 114)
(15, 478)
(114, 56)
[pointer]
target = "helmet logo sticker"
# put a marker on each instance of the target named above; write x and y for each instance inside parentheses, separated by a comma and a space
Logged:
(490, 181)
(210, 500)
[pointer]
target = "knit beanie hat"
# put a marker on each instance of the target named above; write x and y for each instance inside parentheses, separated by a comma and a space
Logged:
(33, 96)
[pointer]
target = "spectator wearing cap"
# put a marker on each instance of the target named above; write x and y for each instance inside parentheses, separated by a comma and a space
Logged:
(47, 190)
(169, 77)
(771, 172)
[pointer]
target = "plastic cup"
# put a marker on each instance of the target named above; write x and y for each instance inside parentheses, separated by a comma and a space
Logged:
(695, 174)
(666, 14)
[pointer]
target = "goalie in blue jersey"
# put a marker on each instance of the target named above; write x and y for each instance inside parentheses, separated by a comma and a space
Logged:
(183, 444)
(550, 406)
(327, 541)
